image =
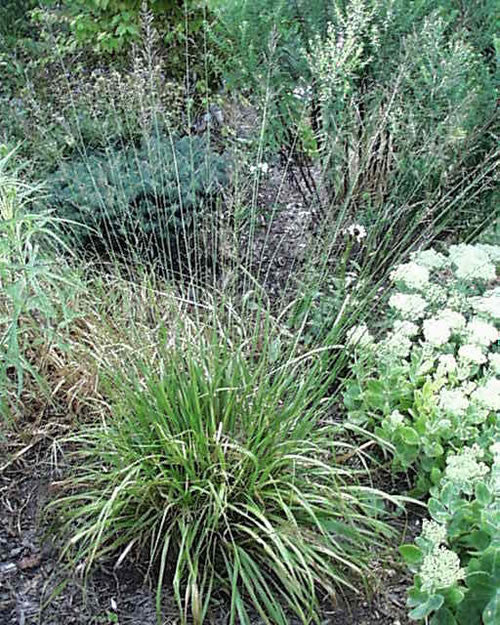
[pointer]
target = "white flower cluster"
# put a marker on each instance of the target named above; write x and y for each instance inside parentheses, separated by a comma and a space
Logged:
(481, 333)
(454, 319)
(434, 532)
(464, 467)
(453, 402)
(493, 251)
(412, 275)
(441, 569)
(471, 354)
(447, 363)
(470, 262)
(430, 259)
(409, 306)
(263, 168)
(488, 304)
(488, 395)
(395, 346)
(356, 231)
(405, 328)
(303, 93)
(395, 420)
(494, 359)
(436, 332)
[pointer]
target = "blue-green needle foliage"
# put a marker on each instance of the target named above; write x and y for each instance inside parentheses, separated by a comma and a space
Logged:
(220, 471)
(151, 199)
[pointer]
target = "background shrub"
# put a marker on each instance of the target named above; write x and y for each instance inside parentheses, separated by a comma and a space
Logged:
(399, 102)
(151, 202)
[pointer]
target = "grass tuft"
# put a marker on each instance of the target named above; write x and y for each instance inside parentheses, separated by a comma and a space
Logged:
(218, 470)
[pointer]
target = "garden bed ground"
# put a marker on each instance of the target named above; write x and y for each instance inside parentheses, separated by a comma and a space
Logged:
(30, 571)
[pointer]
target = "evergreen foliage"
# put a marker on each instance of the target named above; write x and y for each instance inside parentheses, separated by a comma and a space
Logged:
(150, 199)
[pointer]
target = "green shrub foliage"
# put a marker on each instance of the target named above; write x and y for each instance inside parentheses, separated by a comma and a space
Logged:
(112, 25)
(397, 99)
(152, 199)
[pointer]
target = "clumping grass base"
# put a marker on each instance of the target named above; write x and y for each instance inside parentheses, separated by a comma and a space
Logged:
(219, 470)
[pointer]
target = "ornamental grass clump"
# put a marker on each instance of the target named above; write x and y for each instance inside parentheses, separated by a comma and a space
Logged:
(219, 474)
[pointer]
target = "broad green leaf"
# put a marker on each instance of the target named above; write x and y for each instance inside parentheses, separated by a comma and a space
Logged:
(483, 494)
(491, 613)
(410, 436)
(437, 511)
(443, 617)
(411, 554)
(431, 605)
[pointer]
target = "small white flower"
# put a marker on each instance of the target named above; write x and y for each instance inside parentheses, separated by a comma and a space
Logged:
(395, 419)
(463, 467)
(430, 259)
(440, 569)
(453, 401)
(471, 353)
(395, 346)
(408, 305)
(481, 333)
(411, 275)
(262, 167)
(436, 332)
(405, 328)
(471, 262)
(446, 364)
(356, 231)
(434, 532)
(454, 319)
(488, 395)
(494, 359)
(359, 336)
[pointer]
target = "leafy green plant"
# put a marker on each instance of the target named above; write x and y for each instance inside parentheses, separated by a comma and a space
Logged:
(149, 200)
(430, 389)
(217, 470)
(111, 25)
(465, 512)
(32, 291)
(399, 100)
(423, 387)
